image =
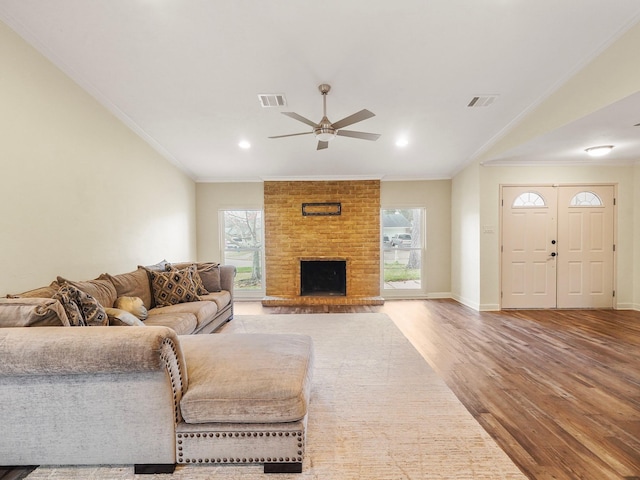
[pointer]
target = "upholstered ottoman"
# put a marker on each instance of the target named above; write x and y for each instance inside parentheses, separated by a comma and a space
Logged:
(246, 401)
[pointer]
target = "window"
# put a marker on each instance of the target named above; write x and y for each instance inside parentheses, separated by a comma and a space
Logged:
(243, 247)
(403, 248)
(528, 200)
(585, 199)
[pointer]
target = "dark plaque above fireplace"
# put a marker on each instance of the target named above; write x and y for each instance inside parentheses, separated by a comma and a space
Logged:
(317, 209)
(323, 277)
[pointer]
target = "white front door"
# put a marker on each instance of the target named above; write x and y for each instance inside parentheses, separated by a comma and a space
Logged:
(585, 246)
(557, 246)
(529, 225)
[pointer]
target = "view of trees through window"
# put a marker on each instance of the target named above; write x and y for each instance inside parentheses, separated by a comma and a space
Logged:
(402, 246)
(243, 248)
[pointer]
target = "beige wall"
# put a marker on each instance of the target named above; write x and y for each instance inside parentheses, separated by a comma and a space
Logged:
(435, 196)
(80, 193)
(465, 237)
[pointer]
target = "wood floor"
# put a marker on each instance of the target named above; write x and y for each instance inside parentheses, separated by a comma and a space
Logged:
(559, 390)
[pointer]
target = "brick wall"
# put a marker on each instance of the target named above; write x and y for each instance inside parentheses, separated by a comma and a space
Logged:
(354, 236)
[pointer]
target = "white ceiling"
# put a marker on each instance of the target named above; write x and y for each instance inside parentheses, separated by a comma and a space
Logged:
(185, 75)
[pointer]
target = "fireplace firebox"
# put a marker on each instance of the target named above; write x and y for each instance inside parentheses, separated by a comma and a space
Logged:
(323, 277)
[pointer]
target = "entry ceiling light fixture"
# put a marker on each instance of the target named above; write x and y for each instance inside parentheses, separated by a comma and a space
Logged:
(599, 151)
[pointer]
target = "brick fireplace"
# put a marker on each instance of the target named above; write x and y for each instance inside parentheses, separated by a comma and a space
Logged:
(340, 222)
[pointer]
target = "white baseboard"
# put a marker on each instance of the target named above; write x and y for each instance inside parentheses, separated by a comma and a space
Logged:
(490, 307)
(436, 295)
(627, 306)
(466, 302)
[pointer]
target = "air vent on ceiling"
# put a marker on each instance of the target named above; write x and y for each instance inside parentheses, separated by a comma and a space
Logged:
(482, 100)
(268, 100)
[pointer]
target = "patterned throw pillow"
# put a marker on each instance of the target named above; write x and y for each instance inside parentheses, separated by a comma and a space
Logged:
(197, 280)
(170, 288)
(81, 308)
(209, 273)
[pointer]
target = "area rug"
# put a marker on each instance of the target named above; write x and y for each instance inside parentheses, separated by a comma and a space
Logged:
(378, 411)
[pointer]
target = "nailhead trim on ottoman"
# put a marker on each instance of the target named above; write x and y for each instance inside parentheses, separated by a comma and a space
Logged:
(268, 443)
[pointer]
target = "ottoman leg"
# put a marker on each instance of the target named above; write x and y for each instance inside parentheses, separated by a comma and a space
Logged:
(294, 467)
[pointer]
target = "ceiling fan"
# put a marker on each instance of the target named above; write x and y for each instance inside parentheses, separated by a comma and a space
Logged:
(325, 130)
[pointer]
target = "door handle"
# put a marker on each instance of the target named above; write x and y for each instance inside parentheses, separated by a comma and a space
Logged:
(553, 254)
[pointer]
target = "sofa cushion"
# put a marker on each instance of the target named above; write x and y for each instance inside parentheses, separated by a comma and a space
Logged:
(203, 311)
(221, 298)
(31, 312)
(170, 288)
(181, 323)
(247, 378)
(81, 308)
(209, 273)
(41, 292)
(133, 305)
(100, 289)
(132, 284)
(118, 318)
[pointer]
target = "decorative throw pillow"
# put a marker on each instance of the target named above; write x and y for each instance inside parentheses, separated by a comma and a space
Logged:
(118, 317)
(81, 308)
(133, 305)
(170, 288)
(195, 276)
(210, 275)
(161, 266)
(101, 289)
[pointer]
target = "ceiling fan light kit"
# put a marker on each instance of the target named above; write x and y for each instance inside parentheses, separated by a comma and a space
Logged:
(325, 130)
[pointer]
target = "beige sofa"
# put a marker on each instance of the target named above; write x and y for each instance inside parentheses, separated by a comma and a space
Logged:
(211, 310)
(152, 396)
(146, 396)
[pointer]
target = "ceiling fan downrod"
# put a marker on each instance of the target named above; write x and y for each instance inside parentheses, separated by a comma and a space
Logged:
(324, 131)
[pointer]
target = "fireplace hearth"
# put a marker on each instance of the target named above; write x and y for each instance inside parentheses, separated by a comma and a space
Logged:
(323, 278)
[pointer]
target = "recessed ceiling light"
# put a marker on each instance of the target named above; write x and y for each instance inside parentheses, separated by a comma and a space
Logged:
(244, 145)
(402, 142)
(599, 151)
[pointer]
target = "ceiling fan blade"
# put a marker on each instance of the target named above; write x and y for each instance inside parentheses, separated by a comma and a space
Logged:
(292, 135)
(362, 135)
(322, 145)
(300, 118)
(351, 119)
